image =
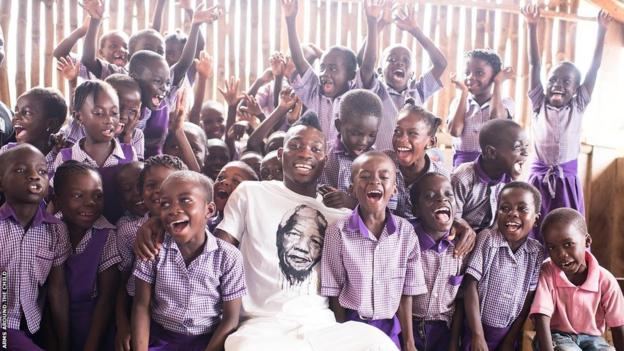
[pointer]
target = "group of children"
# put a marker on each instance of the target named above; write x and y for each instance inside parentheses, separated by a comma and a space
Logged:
(140, 169)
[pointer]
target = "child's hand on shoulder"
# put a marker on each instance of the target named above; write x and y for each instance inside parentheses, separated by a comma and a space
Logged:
(604, 19)
(504, 74)
(374, 8)
(231, 94)
(94, 8)
(531, 14)
(338, 199)
(459, 83)
(203, 65)
(68, 68)
(290, 8)
(208, 15)
(405, 18)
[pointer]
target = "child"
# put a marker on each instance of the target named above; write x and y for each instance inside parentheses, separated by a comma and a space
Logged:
(129, 93)
(414, 133)
(96, 107)
(322, 93)
(372, 245)
(271, 167)
(39, 113)
(357, 125)
(212, 120)
(229, 178)
(218, 155)
(576, 298)
(557, 116)
(253, 160)
(437, 315)
(274, 141)
(91, 269)
(127, 182)
(33, 252)
(479, 102)
(154, 172)
(476, 184)
(503, 271)
(212, 271)
(196, 139)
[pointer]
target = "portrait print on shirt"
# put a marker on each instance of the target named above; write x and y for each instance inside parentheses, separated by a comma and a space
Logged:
(299, 242)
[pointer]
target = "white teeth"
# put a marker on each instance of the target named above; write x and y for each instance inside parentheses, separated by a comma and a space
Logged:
(179, 221)
(403, 149)
(303, 166)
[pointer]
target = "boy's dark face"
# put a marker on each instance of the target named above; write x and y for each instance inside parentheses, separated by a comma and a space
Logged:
(213, 123)
(253, 160)
(228, 179)
(154, 177)
(435, 206)
(411, 138)
(155, 83)
(150, 42)
(25, 177)
(373, 183)
(218, 156)
(562, 85)
(358, 134)
(303, 155)
(99, 115)
(335, 75)
(397, 68)
(81, 201)
(129, 104)
(184, 210)
(479, 76)
(516, 215)
(172, 147)
(274, 143)
(566, 246)
(511, 154)
(271, 169)
(115, 50)
(127, 181)
(30, 123)
(173, 51)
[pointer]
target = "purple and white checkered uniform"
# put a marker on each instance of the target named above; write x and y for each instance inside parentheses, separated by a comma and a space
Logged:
(309, 90)
(392, 101)
(169, 101)
(74, 131)
(557, 132)
(370, 275)
(265, 96)
(28, 257)
(49, 158)
(400, 203)
(127, 227)
(337, 171)
(443, 276)
(78, 154)
(474, 119)
(188, 299)
(504, 277)
(476, 194)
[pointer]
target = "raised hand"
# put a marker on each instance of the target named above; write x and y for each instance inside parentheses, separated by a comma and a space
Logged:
(94, 8)
(504, 74)
(203, 65)
(604, 19)
(251, 106)
(386, 16)
(185, 4)
(530, 13)
(294, 113)
(277, 62)
(374, 8)
(459, 83)
(287, 98)
(290, 8)
(208, 15)
(289, 67)
(405, 18)
(68, 68)
(177, 116)
(231, 94)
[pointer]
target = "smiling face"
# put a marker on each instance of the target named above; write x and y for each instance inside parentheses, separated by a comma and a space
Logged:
(358, 134)
(29, 121)
(566, 245)
(562, 85)
(173, 50)
(154, 81)
(228, 179)
(129, 104)
(81, 200)
(148, 40)
(184, 209)
(335, 74)
(411, 138)
(127, 181)
(154, 177)
(479, 76)
(114, 49)
(24, 176)
(271, 168)
(511, 154)
(435, 205)
(212, 121)
(397, 67)
(303, 156)
(218, 156)
(194, 138)
(373, 182)
(516, 215)
(99, 115)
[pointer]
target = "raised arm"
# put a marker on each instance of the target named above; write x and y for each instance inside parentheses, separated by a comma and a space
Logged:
(176, 127)
(290, 8)
(287, 102)
(95, 9)
(590, 78)
(406, 20)
(69, 70)
(373, 10)
(386, 19)
(497, 109)
(232, 97)
(531, 16)
(456, 124)
(158, 14)
(65, 46)
(203, 66)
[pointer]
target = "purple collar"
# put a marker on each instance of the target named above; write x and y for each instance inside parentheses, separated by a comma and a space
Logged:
(41, 216)
(356, 223)
(427, 242)
(484, 178)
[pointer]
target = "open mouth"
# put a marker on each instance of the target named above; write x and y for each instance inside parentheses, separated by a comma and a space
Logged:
(374, 195)
(119, 60)
(88, 214)
(20, 132)
(398, 73)
(567, 265)
(442, 214)
(517, 167)
(35, 188)
(222, 194)
(179, 225)
(303, 168)
(513, 226)
(157, 99)
(327, 84)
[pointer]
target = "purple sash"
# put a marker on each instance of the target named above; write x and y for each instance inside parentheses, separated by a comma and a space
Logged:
(390, 327)
(493, 337)
(81, 274)
(431, 335)
(19, 340)
(162, 339)
(460, 157)
(156, 129)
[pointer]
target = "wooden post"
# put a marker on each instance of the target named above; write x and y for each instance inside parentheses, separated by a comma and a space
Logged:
(209, 48)
(230, 15)
(254, 56)
(36, 43)
(60, 34)
(20, 53)
(243, 44)
(432, 36)
(515, 60)
(480, 29)
(128, 16)
(5, 10)
(443, 40)
(113, 14)
(266, 35)
(323, 16)
(49, 42)
(468, 43)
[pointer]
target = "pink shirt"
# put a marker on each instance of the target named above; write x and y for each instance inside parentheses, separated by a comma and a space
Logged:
(570, 307)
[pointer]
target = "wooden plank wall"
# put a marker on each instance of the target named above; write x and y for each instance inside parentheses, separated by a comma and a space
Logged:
(251, 30)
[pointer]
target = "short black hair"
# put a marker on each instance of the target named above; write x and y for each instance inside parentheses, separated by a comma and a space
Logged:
(109, 34)
(349, 57)
(91, 87)
(53, 102)
(372, 153)
(537, 196)
(564, 215)
(245, 167)
(136, 36)
(119, 80)
(64, 172)
(489, 56)
(204, 182)
(496, 132)
(577, 72)
(411, 107)
(357, 103)
(177, 36)
(308, 119)
(167, 161)
(415, 189)
(7, 157)
(140, 61)
(194, 128)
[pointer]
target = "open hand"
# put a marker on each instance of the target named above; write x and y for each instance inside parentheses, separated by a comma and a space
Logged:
(231, 94)
(68, 68)
(208, 15)
(277, 62)
(287, 98)
(251, 106)
(178, 115)
(290, 8)
(294, 113)
(604, 19)
(374, 8)
(203, 64)
(459, 83)
(504, 74)
(530, 13)
(405, 18)
(94, 8)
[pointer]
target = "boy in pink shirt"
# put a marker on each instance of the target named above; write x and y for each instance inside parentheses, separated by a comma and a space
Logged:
(576, 299)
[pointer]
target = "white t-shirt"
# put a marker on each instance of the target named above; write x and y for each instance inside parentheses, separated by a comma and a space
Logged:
(281, 238)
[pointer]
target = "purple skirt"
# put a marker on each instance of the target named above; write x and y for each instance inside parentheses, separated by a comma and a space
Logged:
(162, 339)
(390, 327)
(19, 340)
(460, 157)
(493, 337)
(431, 335)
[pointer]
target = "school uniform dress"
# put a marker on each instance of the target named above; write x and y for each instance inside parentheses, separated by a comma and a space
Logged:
(392, 101)
(400, 203)
(467, 146)
(121, 155)
(127, 228)
(579, 315)
(74, 131)
(49, 158)
(95, 253)
(504, 279)
(433, 312)
(557, 142)
(369, 275)
(266, 96)
(476, 194)
(337, 171)
(187, 300)
(26, 258)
